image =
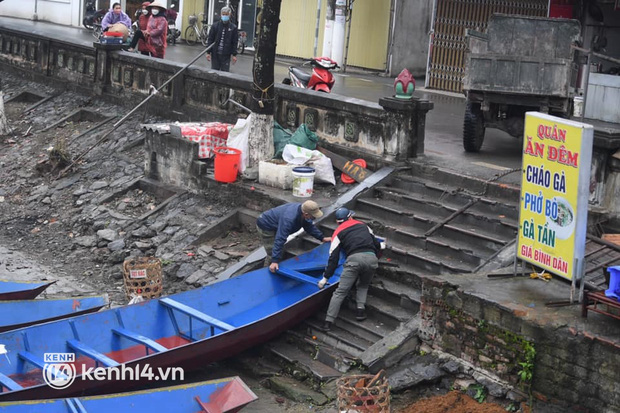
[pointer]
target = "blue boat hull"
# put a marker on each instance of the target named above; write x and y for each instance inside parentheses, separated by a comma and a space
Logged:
(14, 290)
(188, 330)
(18, 314)
(223, 395)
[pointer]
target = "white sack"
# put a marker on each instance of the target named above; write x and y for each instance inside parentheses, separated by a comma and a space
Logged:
(296, 155)
(238, 139)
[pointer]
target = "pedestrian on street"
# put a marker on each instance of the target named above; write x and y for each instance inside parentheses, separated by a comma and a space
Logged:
(138, 37)
(362, 249)
(157, 29)
(114, 16)
(224, 37)
(276, 224)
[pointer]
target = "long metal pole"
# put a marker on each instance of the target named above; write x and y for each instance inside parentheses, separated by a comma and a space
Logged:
(346, 49)
(318, 26)
(117, 124)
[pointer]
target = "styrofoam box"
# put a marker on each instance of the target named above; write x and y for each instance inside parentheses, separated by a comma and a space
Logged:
(276, 175)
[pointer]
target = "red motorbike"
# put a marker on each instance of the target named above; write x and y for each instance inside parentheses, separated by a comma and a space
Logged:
(321, 79)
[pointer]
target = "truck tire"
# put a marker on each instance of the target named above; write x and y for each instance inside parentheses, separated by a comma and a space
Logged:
(473, 128)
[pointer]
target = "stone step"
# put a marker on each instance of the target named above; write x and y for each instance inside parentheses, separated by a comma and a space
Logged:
(444, 178)
(392, 291)
(480, 221)
(428, 192)
(297, 358)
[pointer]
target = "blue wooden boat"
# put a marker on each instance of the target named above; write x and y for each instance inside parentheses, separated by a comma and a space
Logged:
(22, 313)
(223, 395)
(21, 290)
(188, 330)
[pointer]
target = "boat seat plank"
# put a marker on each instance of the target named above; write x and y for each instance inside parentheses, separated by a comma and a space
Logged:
(91, 352)
(38, 362)
(8, 382)
(192, 312)
(138, 338)
(75, 405)
(296, 275)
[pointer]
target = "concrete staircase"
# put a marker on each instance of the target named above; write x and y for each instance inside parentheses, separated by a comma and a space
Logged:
(431, 227)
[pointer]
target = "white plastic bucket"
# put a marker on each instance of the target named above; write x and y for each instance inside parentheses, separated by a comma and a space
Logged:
(303, 181)
(577, 106)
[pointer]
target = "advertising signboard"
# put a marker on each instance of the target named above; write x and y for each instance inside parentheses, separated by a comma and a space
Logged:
(553, 211)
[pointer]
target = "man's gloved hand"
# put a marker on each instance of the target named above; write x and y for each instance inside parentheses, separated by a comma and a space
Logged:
(322, 283)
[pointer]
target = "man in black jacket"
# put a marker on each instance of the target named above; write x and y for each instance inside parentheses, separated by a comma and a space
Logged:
(362, 248)
(224, 37)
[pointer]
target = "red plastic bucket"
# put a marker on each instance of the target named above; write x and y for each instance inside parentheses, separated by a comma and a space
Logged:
(226, 164)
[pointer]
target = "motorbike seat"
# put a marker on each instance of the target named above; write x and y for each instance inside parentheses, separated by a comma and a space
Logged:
(301, 75)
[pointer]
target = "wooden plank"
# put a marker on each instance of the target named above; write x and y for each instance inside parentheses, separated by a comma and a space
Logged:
(343, 164)
(198, 315)
(91, 352)
(152, 344)
(296, 275)
(8, 382)
(613, 238)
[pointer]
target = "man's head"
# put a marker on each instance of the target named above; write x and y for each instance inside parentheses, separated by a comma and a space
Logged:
(116, 8)
(225, 14)
(343, 214)
(311, 210)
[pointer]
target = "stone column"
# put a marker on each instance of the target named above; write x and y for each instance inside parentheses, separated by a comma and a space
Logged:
(408, 119)
(103, 67)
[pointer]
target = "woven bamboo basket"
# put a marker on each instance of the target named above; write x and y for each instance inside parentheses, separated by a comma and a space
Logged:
(355, 396)
(142, 277)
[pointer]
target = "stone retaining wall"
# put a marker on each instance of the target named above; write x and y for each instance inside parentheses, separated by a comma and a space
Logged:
(570, 368)
(392, 131)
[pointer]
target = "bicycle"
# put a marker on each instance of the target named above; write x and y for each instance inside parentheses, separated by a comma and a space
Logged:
(193, 33)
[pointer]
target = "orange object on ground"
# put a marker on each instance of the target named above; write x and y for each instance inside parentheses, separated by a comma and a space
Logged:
(226, 164)
(346, 179)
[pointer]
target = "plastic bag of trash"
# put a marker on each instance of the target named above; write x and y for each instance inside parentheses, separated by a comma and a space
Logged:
(135, 299)
(281, 137)
(238, 139)
(296, 155)
(304, 137)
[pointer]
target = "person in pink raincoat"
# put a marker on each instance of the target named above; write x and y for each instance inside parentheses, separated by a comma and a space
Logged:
(157, 29)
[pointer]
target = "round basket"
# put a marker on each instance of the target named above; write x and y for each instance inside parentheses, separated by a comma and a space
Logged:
(142, 277)
(353, 395)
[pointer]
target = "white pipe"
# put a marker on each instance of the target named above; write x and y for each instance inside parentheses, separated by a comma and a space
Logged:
(329, 30)
(339, 30)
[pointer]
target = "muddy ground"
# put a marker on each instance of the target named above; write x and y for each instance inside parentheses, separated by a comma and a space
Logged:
(80, 226)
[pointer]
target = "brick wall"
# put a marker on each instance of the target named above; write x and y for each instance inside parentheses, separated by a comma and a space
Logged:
(581, 371)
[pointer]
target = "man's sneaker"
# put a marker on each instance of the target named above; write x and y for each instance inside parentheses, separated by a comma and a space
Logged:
(360, 314)
(326, 326)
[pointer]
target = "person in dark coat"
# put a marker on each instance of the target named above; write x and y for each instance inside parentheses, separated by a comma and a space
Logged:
(362, 249)
(138, 37)
(224, 37)
(276, 224)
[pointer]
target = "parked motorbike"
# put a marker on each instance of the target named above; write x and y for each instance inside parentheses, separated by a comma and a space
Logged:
(173, 32)
(321, 79)
(92, 15)
(243, 38)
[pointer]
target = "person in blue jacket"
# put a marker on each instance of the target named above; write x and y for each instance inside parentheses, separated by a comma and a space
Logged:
(276, 224)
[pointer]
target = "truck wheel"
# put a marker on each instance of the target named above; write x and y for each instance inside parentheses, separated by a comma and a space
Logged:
(473, 128)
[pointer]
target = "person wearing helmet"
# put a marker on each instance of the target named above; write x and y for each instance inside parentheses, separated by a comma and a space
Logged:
(157, 29)
(224, 37)
(276, 224)
(362, 249)
(138, 37)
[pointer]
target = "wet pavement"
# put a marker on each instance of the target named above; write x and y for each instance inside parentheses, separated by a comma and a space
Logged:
(500, 154)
